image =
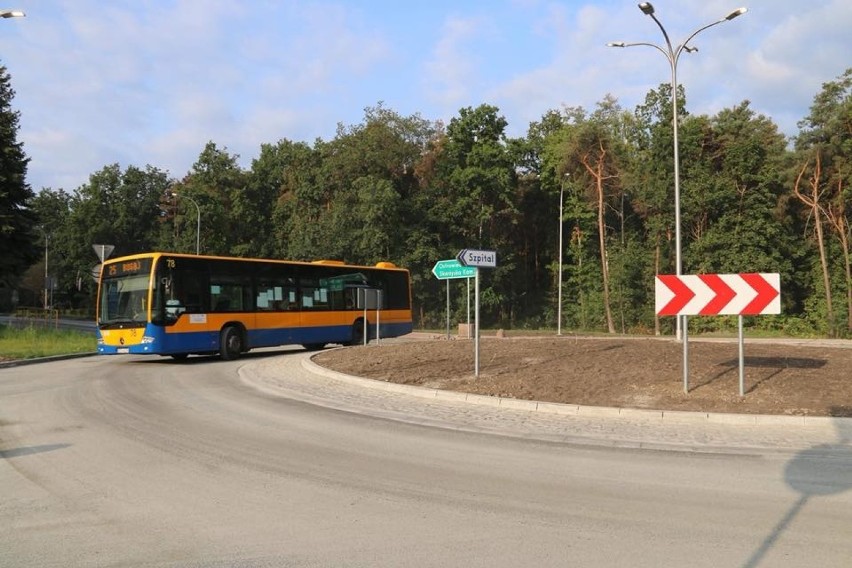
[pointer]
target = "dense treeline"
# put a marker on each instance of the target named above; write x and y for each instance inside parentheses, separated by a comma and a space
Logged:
(414, 191)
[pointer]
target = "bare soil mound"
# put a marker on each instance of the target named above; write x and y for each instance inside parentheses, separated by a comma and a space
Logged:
(620, 372)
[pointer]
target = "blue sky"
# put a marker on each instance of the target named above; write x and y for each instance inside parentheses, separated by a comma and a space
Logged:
(151, 82)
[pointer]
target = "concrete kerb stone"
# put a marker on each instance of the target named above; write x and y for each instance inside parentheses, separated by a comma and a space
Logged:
(557, 408)
(640, 414)
(438, 393)
(599, 411)
(22, 362)
(671, 416)
(685, 416)
(722, 418)
(517, 404)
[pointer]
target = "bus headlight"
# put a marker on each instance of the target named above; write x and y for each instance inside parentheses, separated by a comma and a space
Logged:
(147, 339)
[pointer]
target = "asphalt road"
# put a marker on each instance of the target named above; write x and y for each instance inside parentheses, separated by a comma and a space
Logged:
(112, 461)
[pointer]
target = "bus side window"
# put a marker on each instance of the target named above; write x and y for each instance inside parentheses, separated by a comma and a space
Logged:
(193, 304)
(350, 298)
(188, 289)
(275, 292)
(231, 293)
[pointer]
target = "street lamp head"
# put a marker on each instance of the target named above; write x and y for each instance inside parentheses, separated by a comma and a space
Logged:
(11, 14)
(616, 44)
(647, 8)
(735, 13)
(688, 49)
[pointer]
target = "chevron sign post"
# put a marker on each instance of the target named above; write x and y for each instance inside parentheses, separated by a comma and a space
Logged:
(745, 294)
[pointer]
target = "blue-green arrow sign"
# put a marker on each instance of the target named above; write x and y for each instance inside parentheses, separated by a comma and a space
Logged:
(449, 269)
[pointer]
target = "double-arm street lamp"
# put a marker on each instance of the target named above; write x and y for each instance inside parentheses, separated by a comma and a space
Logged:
(197, 220)
(672, 54)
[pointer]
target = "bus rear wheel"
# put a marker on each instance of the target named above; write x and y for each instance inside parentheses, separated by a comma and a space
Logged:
(357, 333)
(230, 343)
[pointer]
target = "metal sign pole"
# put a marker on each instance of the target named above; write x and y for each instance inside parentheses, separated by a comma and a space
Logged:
(468, 307)
(685, 355)
(452, 269)
(448, 309)
(366, 328)
(378, 317)
(475, 259)
(476, 324)
(742, 356)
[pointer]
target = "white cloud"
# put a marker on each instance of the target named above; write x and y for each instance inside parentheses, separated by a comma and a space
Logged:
(451, 68)
(573, 74)
(137, 83)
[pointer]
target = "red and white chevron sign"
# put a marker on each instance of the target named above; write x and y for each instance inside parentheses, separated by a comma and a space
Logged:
(717, 294)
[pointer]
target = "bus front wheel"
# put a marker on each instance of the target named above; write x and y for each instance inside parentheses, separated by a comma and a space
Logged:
(230, 343)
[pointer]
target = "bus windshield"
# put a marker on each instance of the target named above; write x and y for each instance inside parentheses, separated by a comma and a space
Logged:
(124, 299)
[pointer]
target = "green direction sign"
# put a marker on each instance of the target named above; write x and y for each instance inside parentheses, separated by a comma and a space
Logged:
(449, 269)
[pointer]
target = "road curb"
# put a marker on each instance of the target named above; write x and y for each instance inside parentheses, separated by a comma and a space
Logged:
(51, 359)
(668, 416)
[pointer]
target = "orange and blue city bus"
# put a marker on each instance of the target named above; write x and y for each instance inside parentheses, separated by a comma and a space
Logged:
(178, 304)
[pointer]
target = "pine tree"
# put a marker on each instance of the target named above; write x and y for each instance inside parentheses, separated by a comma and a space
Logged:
(18, 248)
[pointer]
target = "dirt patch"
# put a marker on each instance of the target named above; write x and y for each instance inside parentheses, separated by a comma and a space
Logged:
(625, 372)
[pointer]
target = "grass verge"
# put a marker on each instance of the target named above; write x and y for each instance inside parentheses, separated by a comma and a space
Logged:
(33, 341)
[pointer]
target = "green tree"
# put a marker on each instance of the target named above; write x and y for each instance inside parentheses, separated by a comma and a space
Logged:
(253, 208)
(53, 210)
(591, 151)
(283, 171)
(478, 175)
(18, 249)
(366, 218)
(115, 207)
(540, 185)
(368, 172)
(218, 186)
(474, 198)
(734, 187)
(824, 173)
(651, 178)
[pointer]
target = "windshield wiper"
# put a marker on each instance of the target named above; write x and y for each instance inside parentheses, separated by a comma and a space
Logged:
(120, 322)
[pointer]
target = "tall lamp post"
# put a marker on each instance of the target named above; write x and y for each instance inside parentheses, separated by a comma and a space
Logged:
(673, 55)
(46, 273)
(197, 220)
(559, 285)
